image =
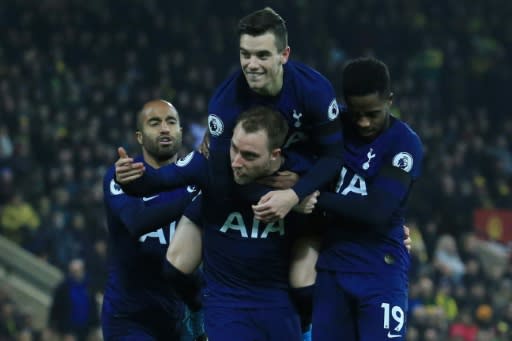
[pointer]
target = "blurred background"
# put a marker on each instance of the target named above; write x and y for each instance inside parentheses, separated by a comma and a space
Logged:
(74, 73)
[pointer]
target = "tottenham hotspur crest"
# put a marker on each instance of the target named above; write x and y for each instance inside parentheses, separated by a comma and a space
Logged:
(297, 116)
(333, 110)
(370, 155)
(215, 125)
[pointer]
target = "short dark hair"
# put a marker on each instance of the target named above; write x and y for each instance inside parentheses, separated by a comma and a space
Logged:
(364, 76)
(263, 21)
(265, 118)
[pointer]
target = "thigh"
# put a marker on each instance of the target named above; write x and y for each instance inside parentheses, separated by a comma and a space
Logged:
(333, 310)
(185, 248)
(303, 261)
(383, 307)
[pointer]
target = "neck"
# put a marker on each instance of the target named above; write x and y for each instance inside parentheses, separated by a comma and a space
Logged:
(278, 85)
(155, 163)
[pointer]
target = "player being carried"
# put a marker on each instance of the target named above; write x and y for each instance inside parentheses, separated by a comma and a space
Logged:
(245, 261)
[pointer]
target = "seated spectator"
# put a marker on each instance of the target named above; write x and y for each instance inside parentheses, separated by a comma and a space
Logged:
(446, 301)
(463, 328)
(9, 324)
(18, 219)
(447, 260)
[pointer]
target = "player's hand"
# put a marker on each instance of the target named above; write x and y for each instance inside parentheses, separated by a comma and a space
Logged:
(126, 169)
(307, 205)
(204, 147)
(275, 205)
(282, 180)
(407, 239)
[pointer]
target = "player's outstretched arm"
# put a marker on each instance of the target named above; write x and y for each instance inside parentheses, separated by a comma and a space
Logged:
(189, 170)
(140, 219)
(126, 169)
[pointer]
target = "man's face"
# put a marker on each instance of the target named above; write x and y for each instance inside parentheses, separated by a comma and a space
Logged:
(369, 114)
(161, 135)
(262, 63)
(77, 270)
(250, 156)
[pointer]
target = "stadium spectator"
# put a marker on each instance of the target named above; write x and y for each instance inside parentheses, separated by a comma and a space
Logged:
(74, 312)
(447, 261)
(19, 220)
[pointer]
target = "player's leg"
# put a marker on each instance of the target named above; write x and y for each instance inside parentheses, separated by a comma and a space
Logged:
(302, 277)
(333, 310)
(383, 306)
(185, 249)
(303, 261)
(182, 259)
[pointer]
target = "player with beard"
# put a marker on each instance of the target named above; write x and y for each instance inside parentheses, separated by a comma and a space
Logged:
(138, 302)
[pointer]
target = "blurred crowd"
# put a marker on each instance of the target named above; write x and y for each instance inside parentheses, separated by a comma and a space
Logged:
(74, 73)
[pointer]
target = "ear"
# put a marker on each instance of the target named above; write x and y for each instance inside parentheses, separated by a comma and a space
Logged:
(390, 99)
(274, 154)
(138, 136)
(285, 54)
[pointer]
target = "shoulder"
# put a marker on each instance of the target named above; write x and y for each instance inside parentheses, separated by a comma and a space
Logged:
(226, 103)
(307, 77)
(403, 134)
(313, 90)
(227, 89)
(407, 148)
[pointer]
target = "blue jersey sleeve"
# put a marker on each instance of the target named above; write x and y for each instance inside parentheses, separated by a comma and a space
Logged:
(386, 192)
(190, 170)
(137, 218)
(326, 135)
(223, 110)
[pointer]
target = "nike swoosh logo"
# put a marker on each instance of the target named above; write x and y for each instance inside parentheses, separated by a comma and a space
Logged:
(392, 336)
(149, 198)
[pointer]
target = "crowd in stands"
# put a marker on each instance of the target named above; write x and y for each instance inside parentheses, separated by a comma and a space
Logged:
(74, 73)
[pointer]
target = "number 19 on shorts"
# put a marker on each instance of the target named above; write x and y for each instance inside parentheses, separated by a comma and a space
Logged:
(394, 318)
